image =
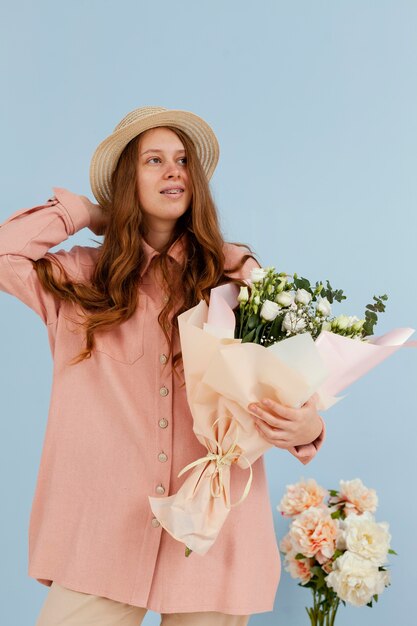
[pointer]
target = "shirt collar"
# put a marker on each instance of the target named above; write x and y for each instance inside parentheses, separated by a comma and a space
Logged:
(176, 252)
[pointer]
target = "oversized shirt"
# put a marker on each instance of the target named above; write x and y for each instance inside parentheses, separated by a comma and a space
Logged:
(119, 429)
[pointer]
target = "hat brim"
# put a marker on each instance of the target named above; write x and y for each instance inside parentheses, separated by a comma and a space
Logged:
(107, 154)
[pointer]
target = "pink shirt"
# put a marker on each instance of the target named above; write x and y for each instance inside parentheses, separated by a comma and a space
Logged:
(119, 429)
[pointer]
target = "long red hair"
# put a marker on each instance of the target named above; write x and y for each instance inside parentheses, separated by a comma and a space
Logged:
(110, 296)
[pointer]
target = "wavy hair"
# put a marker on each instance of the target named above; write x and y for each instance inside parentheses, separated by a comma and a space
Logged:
(111, 294)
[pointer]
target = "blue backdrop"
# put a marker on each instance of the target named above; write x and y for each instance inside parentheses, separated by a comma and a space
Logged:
(314, 105)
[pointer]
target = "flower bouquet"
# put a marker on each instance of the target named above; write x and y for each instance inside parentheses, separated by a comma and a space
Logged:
(273, 338)
(334, 546)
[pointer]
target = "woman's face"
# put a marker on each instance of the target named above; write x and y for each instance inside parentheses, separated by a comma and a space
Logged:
(162, 165)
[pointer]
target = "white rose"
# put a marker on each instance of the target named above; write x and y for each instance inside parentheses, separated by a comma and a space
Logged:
(257, 274)
(365, 537)
(302, 296)
(356, 580)
(357, 326)
(292, 322)
(326, 326)
(324, 307)
(285, 298)
(341, 322)
(352, 320)
(243, 294)
(269, 310)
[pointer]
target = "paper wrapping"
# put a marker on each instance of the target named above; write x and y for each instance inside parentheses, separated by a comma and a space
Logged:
(223, 376)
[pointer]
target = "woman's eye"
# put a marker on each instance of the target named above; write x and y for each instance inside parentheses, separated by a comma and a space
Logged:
(153, 159)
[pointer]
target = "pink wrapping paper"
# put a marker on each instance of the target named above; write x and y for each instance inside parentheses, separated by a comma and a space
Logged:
(223, 376)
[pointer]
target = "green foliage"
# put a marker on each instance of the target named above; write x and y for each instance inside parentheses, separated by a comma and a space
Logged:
(332, 294)
(251, 327)
(371, 311)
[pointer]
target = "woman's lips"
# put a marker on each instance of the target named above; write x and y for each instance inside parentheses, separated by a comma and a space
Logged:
(172, 196)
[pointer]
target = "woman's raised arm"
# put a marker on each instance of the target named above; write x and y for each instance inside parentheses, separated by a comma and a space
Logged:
(28, 234)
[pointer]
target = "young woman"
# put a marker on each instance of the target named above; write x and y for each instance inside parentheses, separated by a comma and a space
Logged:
(119, 427)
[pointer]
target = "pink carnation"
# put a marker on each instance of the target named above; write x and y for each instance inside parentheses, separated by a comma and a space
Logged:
(299, 568)
(301, 496)
(356, 497)
(313, 534)
(286, 544)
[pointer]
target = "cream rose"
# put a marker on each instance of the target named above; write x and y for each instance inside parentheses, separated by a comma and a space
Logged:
(269, 310)
(301, 496)
(324, 307)
(285, 298)
(313, 533)
(302, 296)
(363, 536)
(356, 580)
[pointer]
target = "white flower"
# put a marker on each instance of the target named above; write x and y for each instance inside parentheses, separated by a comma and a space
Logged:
(269, 310)
(362, 535)
(243, 294)
(356, 580)
(352, 320)
(357, 326)
(257, 274)
(285, 298)
(256, 299)
(341, 322)
(326, 326)
(324, 307)
(292, 322)
(302, 296)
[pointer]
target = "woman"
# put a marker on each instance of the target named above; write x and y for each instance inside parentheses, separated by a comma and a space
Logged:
(119, 427)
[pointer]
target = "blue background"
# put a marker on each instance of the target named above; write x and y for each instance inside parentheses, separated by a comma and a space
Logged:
(314, 105)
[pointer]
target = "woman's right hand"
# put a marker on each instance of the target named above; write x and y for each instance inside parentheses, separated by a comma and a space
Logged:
(99, 218)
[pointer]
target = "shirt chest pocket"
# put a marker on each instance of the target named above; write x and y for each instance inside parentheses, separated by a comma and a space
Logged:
(125, 343)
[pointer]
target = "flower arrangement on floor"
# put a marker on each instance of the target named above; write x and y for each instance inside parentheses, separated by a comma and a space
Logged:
(335, 546)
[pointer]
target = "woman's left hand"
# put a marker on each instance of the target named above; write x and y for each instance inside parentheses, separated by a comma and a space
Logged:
(285, 427)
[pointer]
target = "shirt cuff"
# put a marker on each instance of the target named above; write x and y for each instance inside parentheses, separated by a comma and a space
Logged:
(74, 211)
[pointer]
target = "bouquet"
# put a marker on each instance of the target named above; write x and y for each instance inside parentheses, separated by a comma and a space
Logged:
(280, 306)
(236, 351)
(334, 545)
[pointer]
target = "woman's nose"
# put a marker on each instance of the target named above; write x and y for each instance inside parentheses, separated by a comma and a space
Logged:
(172, 169)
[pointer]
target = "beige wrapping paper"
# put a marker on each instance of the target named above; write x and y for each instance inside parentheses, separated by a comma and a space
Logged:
(222, 377)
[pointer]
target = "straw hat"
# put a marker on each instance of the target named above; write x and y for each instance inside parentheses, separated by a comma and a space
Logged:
(108, 152)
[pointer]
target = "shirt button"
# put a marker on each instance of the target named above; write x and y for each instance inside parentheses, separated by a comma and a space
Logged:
(155, 522)
(163, 358)
(160, 489)
(164, 391)
(163, 423)
(162, 457)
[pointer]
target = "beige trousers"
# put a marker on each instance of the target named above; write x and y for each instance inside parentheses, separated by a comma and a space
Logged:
(65, 607)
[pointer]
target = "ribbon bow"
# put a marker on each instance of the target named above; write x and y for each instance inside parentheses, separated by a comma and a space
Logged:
(221, 461)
